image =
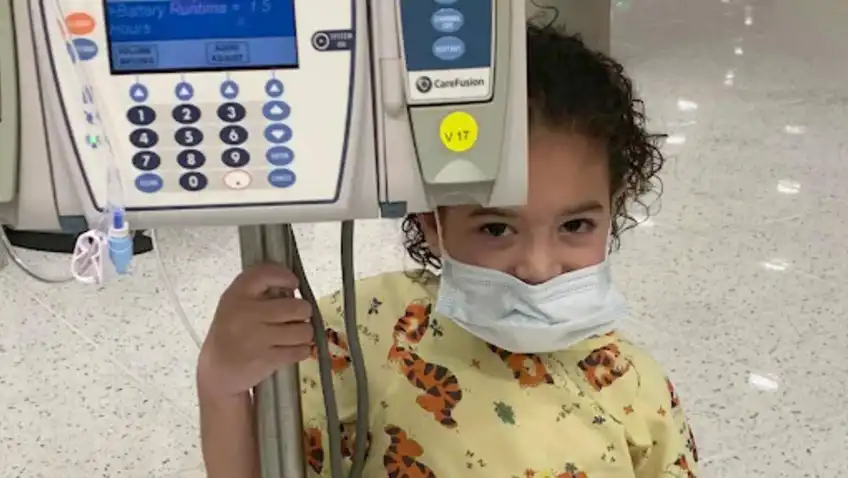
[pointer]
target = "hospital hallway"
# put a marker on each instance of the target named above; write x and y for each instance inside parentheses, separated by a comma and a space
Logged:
(736, 283)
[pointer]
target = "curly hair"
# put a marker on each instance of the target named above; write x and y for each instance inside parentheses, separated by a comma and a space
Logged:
(586, 92)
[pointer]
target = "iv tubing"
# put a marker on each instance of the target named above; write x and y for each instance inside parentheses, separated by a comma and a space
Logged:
(172, 293)
(324, 367)
(362, 399)
(9, 249)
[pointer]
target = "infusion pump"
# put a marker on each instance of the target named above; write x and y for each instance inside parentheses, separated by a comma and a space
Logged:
(236, 112)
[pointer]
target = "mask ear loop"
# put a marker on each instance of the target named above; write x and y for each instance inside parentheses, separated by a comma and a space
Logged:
(443, 250)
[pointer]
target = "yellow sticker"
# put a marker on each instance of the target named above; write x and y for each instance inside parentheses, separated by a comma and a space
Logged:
(458, 131)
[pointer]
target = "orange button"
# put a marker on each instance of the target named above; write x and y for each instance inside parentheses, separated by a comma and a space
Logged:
(79, 23)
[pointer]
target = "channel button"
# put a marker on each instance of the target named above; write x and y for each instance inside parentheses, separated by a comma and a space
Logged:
(447, 20)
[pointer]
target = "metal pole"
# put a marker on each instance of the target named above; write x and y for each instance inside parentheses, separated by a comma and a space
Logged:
(279, 414)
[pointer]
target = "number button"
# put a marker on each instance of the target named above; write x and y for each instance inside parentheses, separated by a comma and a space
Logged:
(191, 159)
(141, 115)
(146, 160)
(193, 181)
(144, 138)
(231, 112)
(186, 114)
(233, 135)
(188, 136)
(235, 157)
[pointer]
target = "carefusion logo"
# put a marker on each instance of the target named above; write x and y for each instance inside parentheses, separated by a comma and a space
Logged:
(425, 84)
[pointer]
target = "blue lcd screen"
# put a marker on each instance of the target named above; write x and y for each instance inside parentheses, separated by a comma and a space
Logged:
(166, 36)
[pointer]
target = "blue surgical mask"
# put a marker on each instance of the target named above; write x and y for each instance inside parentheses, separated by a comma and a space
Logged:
(523, 318)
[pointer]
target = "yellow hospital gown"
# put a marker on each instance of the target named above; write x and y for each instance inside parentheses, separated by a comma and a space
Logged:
(445, 404)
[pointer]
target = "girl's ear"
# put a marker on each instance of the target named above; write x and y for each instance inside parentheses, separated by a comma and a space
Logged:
(430, 230)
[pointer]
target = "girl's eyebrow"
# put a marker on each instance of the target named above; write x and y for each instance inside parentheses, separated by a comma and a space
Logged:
(582, 208)
(493, 211)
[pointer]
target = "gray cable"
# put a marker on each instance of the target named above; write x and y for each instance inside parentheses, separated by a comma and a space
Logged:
(362, 399)
(10, 253)
(324, 367)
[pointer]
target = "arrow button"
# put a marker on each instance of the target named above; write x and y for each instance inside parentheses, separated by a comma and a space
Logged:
(276, 110)
(278, 133)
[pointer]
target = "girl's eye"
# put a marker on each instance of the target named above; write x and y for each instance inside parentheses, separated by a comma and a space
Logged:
(578, 226)
(496, 229)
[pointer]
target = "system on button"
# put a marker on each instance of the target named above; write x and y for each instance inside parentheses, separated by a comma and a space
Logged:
(238, 179)
(321, 41)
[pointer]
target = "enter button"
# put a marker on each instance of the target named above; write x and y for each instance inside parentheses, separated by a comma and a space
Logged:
(237, 179)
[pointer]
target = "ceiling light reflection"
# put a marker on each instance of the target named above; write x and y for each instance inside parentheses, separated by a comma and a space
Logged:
(788, 186)
(675, 139)
(777, 265)
(729, 77)
(686, 105)
(764, 382)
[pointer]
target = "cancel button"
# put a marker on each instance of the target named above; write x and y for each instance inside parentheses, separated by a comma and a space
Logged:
(225, 53)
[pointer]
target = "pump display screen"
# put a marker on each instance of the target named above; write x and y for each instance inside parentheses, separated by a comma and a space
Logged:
(166, 36)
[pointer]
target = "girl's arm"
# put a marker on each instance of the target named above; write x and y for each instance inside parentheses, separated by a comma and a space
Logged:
(228, 436)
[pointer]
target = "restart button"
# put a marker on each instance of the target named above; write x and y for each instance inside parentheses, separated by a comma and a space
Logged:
(225, 53)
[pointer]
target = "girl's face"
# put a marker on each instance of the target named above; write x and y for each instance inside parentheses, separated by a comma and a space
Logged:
(563, 227)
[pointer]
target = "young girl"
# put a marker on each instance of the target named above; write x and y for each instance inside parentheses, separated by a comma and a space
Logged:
(500, 358)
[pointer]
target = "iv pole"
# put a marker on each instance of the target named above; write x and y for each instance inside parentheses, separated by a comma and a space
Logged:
(277, 399)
